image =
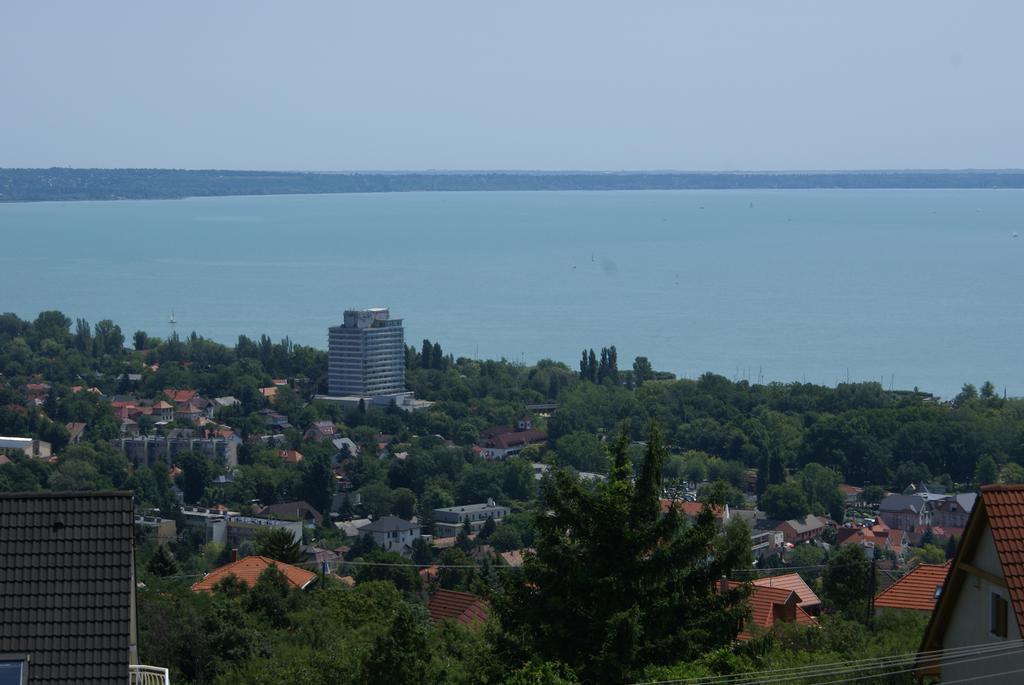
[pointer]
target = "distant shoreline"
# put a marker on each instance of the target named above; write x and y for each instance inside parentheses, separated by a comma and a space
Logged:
(63, 184)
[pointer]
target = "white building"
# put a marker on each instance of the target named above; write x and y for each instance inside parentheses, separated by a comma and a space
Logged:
(366, 355)
(448, 521)
(393, 534)
(980, 609)
(38, 449)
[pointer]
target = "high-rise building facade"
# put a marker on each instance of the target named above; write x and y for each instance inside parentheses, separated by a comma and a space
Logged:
(366, 354)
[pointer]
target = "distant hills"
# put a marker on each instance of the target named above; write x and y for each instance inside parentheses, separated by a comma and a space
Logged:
(34, 185)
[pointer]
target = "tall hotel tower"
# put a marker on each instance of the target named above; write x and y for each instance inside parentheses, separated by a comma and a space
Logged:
(366, 355)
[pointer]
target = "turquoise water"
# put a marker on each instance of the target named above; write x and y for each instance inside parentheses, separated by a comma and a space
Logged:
(916, 288)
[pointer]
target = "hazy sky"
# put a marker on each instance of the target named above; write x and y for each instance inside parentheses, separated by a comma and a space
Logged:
(514, 85)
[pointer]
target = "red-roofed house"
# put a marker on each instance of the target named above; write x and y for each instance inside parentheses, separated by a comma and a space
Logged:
(808, 601)
(499, 442)
(290, 456)
(854, 495)
(320, 430)
(982, 600)
(76, 431)
(179, 396)
(768, 607)
(690, 509)
(878, 536)
(249, 569)
(163, 411)
(463, 607)
(799, 530)
(35, 393)
(919, 590)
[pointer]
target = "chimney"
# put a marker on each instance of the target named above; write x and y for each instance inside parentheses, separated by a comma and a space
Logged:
(234, 555)
(723, 585)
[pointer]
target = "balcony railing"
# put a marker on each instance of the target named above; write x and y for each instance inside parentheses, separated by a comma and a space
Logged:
(148, 675)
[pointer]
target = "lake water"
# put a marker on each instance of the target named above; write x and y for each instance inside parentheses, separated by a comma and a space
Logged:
(913, 288)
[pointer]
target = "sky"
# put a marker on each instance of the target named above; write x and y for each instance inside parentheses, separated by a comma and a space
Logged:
(334, 85)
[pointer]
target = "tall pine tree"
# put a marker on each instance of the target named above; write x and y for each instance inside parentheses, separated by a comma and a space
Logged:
(614, 585)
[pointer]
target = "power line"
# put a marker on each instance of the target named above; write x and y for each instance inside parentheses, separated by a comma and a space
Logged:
(839, 667)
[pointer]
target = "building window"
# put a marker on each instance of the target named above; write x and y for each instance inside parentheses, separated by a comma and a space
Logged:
(998, 615)
(13, 669)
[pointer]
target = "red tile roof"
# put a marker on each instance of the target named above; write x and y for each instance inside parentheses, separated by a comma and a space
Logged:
(514, 558)
(792, 581)
(457, 606)
(690, 509)
(1004, 505)
(179, 396)
(290, 456)
(916, 590)
(768, 607)
(248, 570)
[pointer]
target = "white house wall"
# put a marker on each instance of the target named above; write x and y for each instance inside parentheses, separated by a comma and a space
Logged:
(969, 624)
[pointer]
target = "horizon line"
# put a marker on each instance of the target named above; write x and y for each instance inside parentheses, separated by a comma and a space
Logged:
(539, 172)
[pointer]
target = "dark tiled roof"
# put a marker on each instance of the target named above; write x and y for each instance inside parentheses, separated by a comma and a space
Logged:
(293, 511)
(66, 584)
(389, 524)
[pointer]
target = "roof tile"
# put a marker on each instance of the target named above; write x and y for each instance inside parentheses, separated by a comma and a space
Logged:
(76, 629)
(462, 607)
(249, 569)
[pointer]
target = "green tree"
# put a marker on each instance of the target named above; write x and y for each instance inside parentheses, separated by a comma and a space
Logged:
(400, 653)
(278, 543)
(929, 554)
(457, 569)
(821, 488)
(162, 563)
(317, 483)
(582, 451)
(642, 370)
(847, 584)
(197, 474)
(734, 544)
(487, 530)
(613, 585)
(784, 502)
(404, 503)
(506, 539)
(270, 597)
(986, 471)
(381, 565)
(721, 493)
(77, 475)
(542, 673)
(873, 494)
(1013, 473)
(806, 558)
(422, 552)
(377, 499)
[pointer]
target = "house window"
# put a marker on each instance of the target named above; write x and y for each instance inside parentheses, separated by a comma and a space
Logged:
(998, 615)
(13, 669)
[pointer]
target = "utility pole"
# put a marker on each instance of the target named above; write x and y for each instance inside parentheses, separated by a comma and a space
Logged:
(874, 589)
